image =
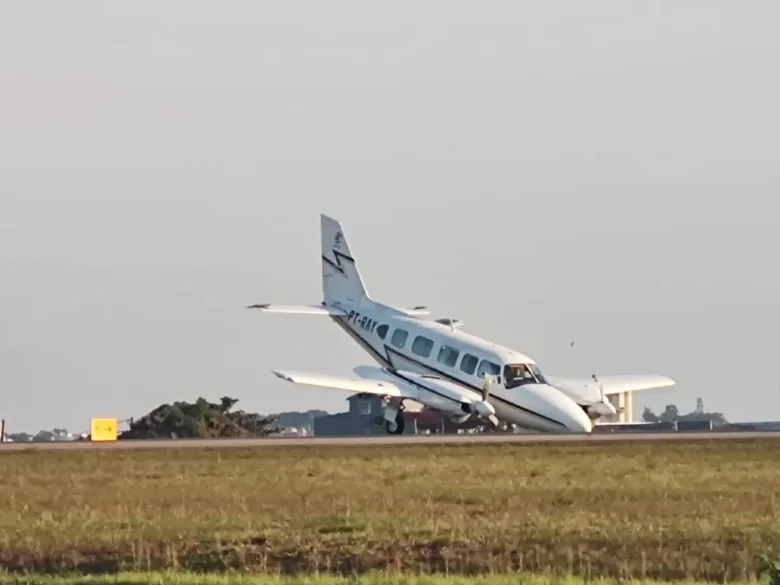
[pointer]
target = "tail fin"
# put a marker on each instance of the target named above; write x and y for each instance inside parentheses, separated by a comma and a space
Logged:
(341, 281)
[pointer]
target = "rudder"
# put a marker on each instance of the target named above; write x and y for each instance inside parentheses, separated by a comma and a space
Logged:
(341, 280)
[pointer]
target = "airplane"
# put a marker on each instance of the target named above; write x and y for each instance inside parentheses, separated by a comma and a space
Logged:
(438, 365)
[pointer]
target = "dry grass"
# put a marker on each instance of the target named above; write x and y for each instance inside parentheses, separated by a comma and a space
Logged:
(698, 510)
(363, 579)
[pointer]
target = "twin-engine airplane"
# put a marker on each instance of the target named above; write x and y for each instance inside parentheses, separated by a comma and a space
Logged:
(439, 366)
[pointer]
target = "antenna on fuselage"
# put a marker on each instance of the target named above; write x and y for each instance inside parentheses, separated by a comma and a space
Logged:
(453, 323)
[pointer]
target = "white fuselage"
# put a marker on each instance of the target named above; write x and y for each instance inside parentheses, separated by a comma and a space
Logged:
(403, 343)
(442, 367)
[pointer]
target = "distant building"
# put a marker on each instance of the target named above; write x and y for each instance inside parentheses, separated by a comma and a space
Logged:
(364, 417)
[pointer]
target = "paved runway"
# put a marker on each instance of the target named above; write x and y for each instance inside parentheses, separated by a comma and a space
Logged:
(386, 440)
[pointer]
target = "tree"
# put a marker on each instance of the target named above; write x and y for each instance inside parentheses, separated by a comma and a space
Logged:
(672, 412)
(198, 420)
(227, 403)
(649, 416)
(43, 436)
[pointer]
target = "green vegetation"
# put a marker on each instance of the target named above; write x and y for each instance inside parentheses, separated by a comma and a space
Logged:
(365, 579)
(672, 413)
(678, 510)
(199, 420)
(42, 436)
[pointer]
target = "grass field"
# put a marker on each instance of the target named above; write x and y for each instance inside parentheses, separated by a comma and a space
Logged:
(365, 579)
(699, 510)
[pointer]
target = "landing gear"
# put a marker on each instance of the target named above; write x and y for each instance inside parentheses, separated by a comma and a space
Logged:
(503, 428)
(395, 427)
(394, 419)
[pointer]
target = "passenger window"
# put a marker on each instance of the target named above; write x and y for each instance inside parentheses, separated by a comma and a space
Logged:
(399, 337)
(486, 367)
(448, 356)
(381, 331)
(468, 364)
(422, 346)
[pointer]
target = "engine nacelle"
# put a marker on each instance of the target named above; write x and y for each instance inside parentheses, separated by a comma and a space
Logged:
(600, 409)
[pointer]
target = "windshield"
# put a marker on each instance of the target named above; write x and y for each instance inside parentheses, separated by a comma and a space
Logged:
(519, 374)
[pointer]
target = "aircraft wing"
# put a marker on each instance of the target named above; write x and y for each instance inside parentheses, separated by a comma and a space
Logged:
(379, 387)
(429, 391)
(633, 382)
(326, 310)
(614, 384)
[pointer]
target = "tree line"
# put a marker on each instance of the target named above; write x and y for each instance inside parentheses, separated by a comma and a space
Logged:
(672, 413)
(190, 420)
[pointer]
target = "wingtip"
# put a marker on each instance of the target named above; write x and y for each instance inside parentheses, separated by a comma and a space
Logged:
(259, 307)
(281, 375)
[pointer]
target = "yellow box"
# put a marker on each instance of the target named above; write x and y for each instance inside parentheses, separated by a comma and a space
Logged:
(104, 429)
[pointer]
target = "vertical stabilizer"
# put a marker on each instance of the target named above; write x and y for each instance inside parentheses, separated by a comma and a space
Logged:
(341, 281)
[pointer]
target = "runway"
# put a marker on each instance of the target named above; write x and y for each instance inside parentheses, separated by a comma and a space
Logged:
(388, 440)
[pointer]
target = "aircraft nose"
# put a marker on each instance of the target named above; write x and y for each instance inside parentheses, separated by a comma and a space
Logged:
(560, 412)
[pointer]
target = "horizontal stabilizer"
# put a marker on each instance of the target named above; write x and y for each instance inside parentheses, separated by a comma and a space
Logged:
(413, 311)
(300, 309)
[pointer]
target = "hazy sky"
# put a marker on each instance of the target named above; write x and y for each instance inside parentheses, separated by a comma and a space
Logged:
(605, 172)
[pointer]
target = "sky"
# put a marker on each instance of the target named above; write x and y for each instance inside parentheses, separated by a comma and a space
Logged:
(602, 172)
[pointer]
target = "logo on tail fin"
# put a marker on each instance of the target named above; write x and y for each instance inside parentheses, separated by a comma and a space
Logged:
(338, 256)
(337, 240)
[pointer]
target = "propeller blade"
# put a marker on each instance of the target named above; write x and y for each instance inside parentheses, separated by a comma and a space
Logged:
(601, 387)
(493, 420)
(484, 408)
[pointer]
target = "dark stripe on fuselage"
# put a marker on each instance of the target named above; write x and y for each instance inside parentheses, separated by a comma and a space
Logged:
(455, 380)
(386, 362)
(416, 384)
(387, 359)
(340, 321)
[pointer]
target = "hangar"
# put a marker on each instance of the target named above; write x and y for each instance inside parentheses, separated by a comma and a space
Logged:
(365, 417)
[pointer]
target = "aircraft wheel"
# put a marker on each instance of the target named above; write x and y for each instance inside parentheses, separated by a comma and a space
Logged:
(395, 427)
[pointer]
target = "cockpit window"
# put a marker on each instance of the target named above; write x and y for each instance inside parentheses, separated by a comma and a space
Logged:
(489, 368)
(519, 374)
(538, 373)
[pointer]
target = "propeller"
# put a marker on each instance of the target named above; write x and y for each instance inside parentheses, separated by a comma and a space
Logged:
(610, 407)
(484, 408)
(601, 387)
